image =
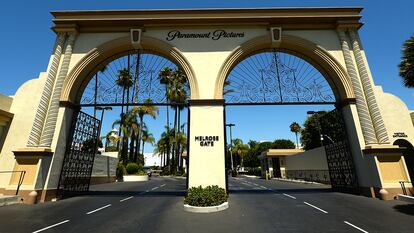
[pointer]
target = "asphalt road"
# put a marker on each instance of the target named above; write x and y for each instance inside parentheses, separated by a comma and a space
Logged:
(255, 206)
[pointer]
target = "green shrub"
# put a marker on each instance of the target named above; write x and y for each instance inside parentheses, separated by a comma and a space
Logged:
(208, 196)
(133, 168)
(165, 171)
(120, 171)
(255, 171)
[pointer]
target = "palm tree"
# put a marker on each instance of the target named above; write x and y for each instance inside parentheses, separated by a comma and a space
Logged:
(141, 111)
(126, 123)
(147, 138)
(240, 149)
(295, 128)
(165, 77)
(181, 141)
(407, 62)
(125, 82)
(177, 94)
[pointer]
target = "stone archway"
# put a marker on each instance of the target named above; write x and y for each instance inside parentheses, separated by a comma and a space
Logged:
(82, 73)
(314, 54)
(329, 75)
(408, 154)
(83, 70)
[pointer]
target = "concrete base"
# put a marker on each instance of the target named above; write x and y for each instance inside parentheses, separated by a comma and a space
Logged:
(392, 192)
(135, 178)
(102, 180)
(9, 200)
(405, 198)
(208, 209)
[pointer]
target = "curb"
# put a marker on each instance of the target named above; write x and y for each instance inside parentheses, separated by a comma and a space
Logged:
(405, 198)
(206, 209)
(298, 181)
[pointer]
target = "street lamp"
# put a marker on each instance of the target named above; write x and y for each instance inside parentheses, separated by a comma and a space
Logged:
(231, 145)
(102, 115)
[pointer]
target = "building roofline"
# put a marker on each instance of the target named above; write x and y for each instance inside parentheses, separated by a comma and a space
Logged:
(122, 20)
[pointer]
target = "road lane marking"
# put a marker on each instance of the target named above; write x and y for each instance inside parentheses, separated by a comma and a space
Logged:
(103, 207)
(352, 225)
(57, 224)
(126, 199)
(263, 187)
(162, 185)
(289, 196)
(323, 211)
(146, 191)
(154, 188)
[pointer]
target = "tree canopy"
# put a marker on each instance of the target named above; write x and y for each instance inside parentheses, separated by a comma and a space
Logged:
(407, 62)
(329, 124)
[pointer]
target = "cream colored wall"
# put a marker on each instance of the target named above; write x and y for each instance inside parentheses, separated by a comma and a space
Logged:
(206, 163)
(5, 102)
(327, 39)
(24, 108)
(396, 115)
(85, 42)
(314, 159)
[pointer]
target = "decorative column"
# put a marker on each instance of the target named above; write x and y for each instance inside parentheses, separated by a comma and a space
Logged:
(52, 114)
(362, 109)
(37, 128)
(379, 127)
(206, 143)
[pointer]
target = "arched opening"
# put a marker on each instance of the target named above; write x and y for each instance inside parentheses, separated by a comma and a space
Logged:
(132, 114)
(408, 154)
(270, 93)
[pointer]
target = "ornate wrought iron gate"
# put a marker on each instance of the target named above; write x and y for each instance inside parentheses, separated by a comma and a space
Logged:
(272, 77)
(80, 153)
(338, 154)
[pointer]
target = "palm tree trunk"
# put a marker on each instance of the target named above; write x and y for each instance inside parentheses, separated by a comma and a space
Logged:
(297, 143)
(143, 145)
(177, 144)
(174, 135)
(120, 129)
(131, 148)
(138, 141)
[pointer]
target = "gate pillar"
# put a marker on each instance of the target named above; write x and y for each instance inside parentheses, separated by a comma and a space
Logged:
(377, 166)
(206, 143)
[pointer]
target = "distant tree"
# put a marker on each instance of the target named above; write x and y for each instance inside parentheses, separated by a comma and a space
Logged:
(283, 144)
(329, 124)
(90, 144)
(407, 62)
(240, 149)
(295, 128)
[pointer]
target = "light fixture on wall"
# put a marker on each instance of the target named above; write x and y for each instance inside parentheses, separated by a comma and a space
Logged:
(276, 34)
(136, 36)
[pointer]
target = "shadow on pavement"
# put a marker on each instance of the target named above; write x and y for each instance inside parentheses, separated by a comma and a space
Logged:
(125, 193)
(263, 191)
(406, 209)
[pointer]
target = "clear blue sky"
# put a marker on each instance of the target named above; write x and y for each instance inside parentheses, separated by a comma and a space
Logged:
(26, 42)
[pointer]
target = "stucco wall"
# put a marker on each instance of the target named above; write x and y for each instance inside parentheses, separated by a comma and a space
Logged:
(24, 108)
(5, 102)
(397, 118)
(314, 159)
(104, 165)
